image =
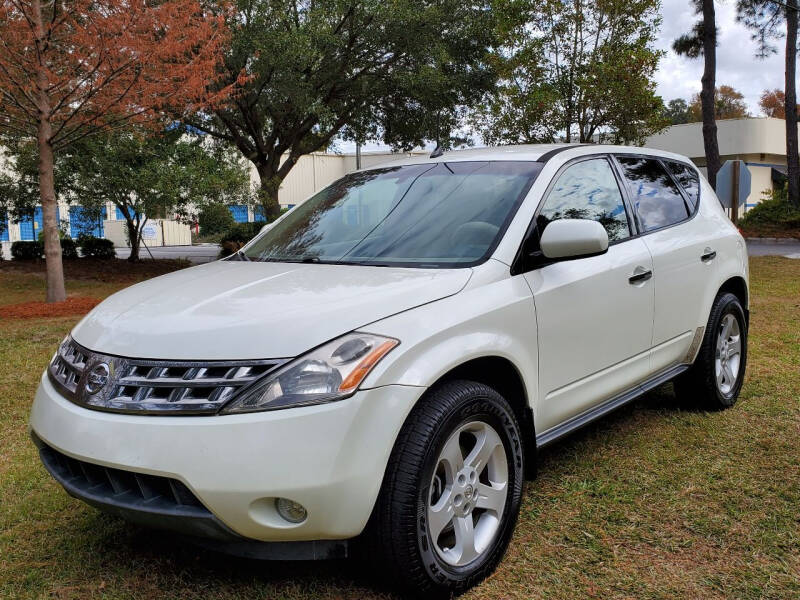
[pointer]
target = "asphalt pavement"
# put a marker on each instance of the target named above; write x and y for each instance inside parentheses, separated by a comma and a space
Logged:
(199, 254)
(788, 248)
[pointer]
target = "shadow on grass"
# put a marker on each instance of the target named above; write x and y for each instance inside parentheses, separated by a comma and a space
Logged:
(631, 417)
(108, 553)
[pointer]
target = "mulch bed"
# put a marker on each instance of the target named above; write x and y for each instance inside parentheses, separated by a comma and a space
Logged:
(773, 231)
(111, 270)
(37, 310)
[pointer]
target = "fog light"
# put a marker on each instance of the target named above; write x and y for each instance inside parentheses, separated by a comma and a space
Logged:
(291, 510)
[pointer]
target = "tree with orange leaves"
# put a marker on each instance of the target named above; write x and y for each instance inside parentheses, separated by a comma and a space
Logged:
(773, 104)
(69, 69)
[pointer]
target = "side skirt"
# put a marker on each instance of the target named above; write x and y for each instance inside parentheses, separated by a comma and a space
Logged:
(567, 427)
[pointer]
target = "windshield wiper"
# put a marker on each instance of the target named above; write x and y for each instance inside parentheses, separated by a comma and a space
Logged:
(242, 256)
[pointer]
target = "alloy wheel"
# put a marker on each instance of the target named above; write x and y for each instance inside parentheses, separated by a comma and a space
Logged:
(468, 493)
(728, 353)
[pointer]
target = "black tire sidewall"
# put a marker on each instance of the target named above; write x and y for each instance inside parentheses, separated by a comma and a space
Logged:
(727, 305)
(492, 409)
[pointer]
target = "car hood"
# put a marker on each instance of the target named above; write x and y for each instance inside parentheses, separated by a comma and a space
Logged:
(230, 310)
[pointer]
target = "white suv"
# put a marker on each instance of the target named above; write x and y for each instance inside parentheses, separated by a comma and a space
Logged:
(381, 365)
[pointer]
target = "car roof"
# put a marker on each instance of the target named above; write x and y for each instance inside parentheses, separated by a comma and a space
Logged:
(528, 152)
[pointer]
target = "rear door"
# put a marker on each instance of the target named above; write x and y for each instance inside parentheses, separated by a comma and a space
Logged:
(594, 315)
(664, 195)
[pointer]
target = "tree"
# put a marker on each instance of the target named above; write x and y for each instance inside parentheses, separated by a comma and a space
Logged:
(365, 69)
(70, 69)
(677, 111)
(702, 41)
(728, 104)
(578, 70)
(215, 218)
(766, 19)
(773, 104)
(161, 175)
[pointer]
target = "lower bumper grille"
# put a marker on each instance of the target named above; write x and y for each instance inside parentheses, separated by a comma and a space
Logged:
(166, 503)
(149, 500)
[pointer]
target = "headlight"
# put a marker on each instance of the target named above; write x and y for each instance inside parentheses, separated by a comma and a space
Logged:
(331, 372)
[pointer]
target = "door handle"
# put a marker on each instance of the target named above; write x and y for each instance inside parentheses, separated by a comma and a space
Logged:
(708, 255)
(640, 275)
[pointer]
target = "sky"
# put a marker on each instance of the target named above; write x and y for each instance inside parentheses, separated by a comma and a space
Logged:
(737, 66)
(679, 77)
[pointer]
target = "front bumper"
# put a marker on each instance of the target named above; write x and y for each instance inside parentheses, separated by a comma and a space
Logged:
(330, 458)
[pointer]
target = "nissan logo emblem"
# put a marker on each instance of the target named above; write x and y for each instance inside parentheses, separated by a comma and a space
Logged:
(97, 378)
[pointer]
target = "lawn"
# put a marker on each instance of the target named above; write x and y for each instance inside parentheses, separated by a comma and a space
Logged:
(652, 502)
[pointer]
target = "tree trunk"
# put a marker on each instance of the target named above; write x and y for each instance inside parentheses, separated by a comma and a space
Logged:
(133, 238)
(52, 245)
(792, 160)
(707, 94)
(47, 193)
(270, 183)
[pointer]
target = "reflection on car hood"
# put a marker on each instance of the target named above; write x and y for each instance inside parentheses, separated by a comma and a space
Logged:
(242, 310)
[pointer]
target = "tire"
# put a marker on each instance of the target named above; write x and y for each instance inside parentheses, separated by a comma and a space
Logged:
(708, 385)
(422, 480)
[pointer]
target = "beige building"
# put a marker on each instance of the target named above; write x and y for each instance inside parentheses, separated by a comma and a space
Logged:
(759, 142)
(317, 170)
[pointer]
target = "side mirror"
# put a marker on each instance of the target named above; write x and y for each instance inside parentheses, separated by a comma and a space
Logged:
(573, 238)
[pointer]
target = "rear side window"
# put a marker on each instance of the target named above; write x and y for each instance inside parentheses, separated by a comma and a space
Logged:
(656, 198)
(587, 190)
(688, 179)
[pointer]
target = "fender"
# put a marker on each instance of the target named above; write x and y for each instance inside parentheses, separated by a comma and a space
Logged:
(441, 336)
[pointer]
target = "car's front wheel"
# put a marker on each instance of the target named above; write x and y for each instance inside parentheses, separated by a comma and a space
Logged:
(452, 490)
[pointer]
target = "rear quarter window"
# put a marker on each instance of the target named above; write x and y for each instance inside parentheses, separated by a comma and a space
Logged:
(656, 198)
(688, 179)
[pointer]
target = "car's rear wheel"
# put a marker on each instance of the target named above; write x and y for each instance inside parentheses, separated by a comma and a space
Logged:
(452, 491)
(716, 378)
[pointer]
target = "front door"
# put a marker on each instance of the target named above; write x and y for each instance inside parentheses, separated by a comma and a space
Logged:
(594, 315)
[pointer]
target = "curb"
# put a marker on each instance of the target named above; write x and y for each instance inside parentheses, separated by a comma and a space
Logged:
(772, 240)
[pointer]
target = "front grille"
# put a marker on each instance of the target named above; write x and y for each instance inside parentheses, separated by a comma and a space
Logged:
(68, 365)
(120, 384)
(152, 492)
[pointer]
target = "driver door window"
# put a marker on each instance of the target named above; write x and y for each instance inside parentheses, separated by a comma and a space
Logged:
(587, 190)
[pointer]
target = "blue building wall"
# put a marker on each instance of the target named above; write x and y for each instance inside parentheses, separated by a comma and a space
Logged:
(31, 225)
(81, 222)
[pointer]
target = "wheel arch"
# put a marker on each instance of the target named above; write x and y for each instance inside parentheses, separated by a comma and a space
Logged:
(737, 286)
(500, 374)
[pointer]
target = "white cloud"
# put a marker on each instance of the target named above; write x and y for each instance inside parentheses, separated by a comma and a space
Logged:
(737, 66)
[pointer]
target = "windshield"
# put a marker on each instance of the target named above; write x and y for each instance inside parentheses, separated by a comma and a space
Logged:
(431, 215)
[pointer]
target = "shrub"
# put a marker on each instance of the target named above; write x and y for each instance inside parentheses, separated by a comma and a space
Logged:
(69, 249)
(238, 235)
(96, 247)
(27, 250)
(35, 250)
(773, 210)
(215, 218)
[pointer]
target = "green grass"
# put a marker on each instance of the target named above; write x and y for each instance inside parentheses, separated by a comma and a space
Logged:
(651, 502)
